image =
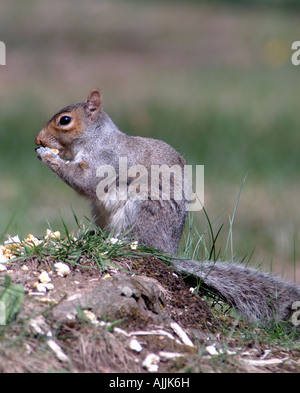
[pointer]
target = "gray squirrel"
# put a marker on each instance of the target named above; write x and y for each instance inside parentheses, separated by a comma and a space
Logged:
(83, 146)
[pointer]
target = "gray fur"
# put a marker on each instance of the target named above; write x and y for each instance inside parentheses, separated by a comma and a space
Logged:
(156, 223)
(259, 297)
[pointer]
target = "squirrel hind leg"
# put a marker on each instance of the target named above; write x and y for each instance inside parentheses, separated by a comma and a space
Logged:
(159, 224)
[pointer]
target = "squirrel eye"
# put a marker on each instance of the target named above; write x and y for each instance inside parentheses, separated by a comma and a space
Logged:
(64, 120)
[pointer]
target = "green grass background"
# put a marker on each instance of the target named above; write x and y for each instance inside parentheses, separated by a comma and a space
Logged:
(213, 79)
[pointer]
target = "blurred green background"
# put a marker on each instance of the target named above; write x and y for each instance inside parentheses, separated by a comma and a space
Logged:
(212, 78)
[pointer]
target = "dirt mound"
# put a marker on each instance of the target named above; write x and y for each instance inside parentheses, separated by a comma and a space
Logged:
(138, 317)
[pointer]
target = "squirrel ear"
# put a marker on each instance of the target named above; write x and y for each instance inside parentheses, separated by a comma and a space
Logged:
(94, 100)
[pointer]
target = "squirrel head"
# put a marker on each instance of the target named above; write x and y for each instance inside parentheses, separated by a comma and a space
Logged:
(70, 125)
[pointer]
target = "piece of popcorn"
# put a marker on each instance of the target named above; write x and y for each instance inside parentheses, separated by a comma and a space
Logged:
(47, 300)
(6, 254)
(55, 151)
(62, 269)
(39, 287)
(91, 317)
(135, 345)
(12, 239)
(9, 254)
(13, 243)
(43, 287)
(134, 245)
(52, 235)
(33, 239)
(3, 258)
(25, 268)
(44, 277)
(150, 363)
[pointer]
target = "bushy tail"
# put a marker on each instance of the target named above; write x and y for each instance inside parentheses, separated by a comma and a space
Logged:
(259, 297)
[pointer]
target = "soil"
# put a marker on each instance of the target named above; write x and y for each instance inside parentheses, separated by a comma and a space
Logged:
(141, 300)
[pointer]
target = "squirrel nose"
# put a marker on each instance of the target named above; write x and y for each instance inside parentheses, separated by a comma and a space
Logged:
(39, 138)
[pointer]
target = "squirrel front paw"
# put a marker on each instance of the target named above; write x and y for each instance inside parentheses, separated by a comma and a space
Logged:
(47, 156)
(44, 151)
